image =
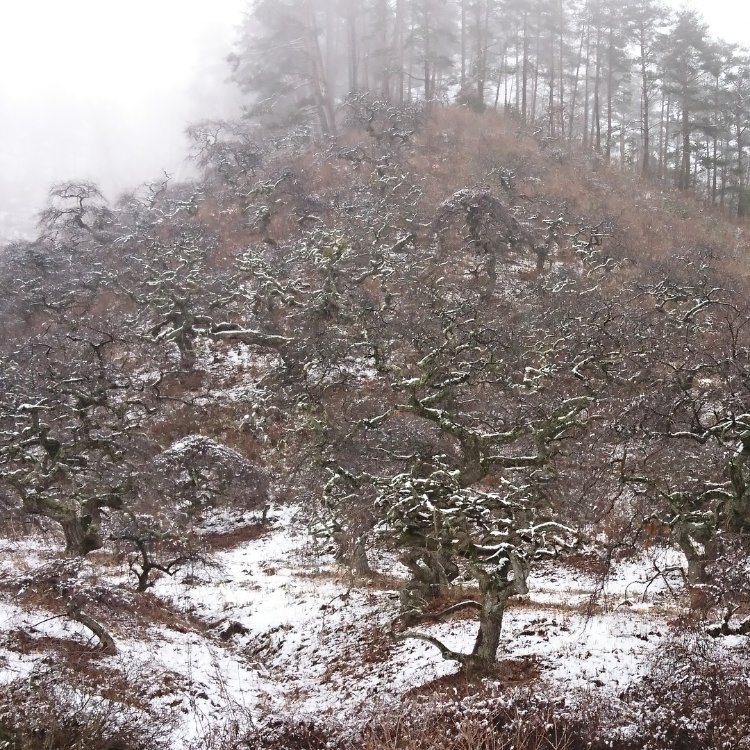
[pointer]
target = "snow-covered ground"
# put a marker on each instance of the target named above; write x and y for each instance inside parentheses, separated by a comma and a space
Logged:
(275, 628)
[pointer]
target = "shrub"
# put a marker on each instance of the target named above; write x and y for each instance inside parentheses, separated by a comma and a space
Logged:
(523, 721)
(696, 697)
(57, 710)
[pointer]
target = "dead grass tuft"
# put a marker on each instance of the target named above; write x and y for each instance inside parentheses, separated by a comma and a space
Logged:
(61, 709)
(222, 540)
(453, 687)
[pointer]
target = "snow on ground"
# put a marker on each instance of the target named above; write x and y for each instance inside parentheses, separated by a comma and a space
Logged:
(23, 552)
(298, 630)
(648, 580)
(38, 625)
(319, 646)
(276, 629)
(605, 650)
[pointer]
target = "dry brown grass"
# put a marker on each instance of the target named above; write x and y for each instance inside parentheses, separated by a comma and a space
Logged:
(473, 718)
(16, 526)
(221, 540)
(457, 148)
(453, 687)
(584, 606)
(91, 708)
(125, 613)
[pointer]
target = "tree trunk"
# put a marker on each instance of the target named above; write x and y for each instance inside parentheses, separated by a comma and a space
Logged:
(106, 642)
(586, 103)
(353, 52)
(596, 116)
(561, 68)
(742, 198)
(487, 641)
(81, 535)
(645, 112)
(696, 560)
(665, 157)
(427, 50)
(360, 564)
(715, 170)
(525, 69)
(483, 10)
(683, 180)
(610, 93)
(319, 83)
(463, 45)
(398, 33)
(552, 85)
(382, 53)
(574, 93)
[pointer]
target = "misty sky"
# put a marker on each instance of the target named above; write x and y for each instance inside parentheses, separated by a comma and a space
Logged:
(728, 19)
(103, 90)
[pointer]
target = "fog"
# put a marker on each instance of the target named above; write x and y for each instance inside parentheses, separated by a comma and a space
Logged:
(103, 91)
(98, 90)
(728, 19)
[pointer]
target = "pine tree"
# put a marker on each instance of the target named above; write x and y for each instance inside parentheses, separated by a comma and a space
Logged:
(280, 60)
(686, 72)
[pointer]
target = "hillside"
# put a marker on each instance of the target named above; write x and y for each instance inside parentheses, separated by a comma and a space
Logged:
(429, 424)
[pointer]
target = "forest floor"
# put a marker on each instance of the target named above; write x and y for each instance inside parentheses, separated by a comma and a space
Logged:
(273, 627)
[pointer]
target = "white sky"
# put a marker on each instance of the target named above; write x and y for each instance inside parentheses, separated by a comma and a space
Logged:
(727, 19)
(103, 89)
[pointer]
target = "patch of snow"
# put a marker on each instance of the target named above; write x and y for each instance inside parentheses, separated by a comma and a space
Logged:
(274, 628)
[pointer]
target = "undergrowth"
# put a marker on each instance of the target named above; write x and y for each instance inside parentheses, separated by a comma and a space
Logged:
(57, 709)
